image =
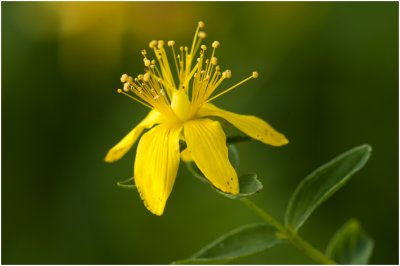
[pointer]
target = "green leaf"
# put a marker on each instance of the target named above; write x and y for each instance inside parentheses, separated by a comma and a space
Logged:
(350, 245)
(241, 242)
(322, 183)
(127, 184)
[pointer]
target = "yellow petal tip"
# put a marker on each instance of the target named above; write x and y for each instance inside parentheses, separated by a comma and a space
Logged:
(110, 157)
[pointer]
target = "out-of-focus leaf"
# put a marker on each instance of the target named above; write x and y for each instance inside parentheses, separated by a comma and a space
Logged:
(350, 245)
(241, 242)
(127, 184)
(322, 183)
(233, 155)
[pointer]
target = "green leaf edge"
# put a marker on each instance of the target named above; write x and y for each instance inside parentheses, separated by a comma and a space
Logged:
(123, 184)
(194, 260)
(360, 165)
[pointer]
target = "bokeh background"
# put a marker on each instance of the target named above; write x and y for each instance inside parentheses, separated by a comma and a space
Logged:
(328, 81)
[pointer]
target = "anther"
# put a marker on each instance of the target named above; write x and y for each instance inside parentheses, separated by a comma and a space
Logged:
(152, 44)
(254, 74)
(153, 62)
(214, 61)
(146, 62)
(227, 74)
(156, 97)
(215, 44)
(160, 44)
(146, 77)
(202, 35)
(144, 52)
(201, 24)
(203, 47)
(171, 43)
(129, 79)
(124, 77)
(126, 86)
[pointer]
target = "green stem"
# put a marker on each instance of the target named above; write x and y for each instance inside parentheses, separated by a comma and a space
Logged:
(288, 234)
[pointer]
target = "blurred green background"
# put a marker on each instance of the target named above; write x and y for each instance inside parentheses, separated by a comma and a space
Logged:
(328, 81)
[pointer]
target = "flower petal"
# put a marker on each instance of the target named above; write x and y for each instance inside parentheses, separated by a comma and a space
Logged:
(156, 165)
(122, 147)
(250, 125)
(206, 142)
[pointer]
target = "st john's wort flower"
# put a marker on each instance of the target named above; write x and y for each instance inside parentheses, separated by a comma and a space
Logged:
(181, 110)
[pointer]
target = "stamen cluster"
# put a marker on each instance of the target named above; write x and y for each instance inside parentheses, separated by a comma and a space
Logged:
(198, 77)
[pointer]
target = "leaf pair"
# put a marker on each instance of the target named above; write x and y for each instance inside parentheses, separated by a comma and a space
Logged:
(350, 245)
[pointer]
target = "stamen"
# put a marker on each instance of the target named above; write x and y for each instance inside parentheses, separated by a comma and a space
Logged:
(130, 96)
(231, 88)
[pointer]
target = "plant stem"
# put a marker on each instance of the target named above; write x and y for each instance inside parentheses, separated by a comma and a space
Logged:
(288, 234)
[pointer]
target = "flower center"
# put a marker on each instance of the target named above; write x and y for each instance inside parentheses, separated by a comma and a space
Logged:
(180, 104)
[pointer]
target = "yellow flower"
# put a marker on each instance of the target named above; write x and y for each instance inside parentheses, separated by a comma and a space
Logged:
(181, 110)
